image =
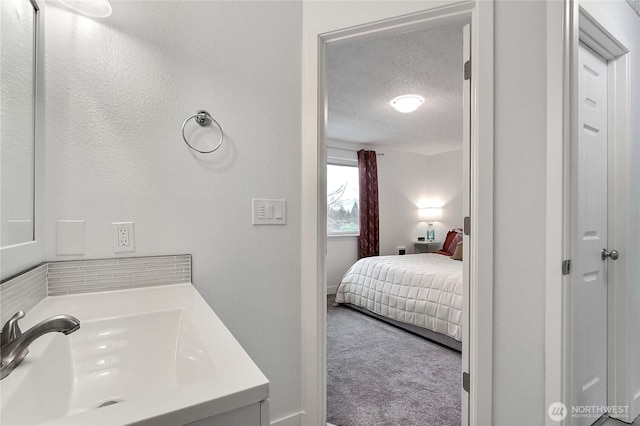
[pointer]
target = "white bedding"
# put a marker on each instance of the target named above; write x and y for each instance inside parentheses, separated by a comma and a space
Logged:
(420, 289)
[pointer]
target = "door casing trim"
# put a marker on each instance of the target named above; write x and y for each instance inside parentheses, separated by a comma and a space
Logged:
(569, 22)
(314, 215)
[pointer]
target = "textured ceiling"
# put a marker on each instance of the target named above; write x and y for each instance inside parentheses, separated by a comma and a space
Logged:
(365, 74)
(635, 4)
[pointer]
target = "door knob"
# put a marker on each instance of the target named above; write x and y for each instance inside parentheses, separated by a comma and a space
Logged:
(613, 254)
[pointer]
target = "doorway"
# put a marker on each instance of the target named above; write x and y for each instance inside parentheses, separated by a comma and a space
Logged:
(597, 348)
(333, 21)
(420, 163)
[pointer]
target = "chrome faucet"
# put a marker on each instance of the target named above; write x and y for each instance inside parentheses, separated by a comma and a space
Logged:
(14, 344)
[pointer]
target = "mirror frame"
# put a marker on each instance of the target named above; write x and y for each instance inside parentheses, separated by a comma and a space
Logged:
(18, 257)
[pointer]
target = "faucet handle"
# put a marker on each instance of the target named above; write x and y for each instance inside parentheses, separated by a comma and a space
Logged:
(11, 329)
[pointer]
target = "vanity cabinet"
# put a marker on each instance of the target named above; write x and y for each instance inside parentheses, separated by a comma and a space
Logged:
(251, 415)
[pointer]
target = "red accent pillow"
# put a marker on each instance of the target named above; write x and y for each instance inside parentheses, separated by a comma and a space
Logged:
(451, 235)
(451, 242)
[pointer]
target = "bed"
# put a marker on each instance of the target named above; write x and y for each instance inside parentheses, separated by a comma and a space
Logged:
(419, 292)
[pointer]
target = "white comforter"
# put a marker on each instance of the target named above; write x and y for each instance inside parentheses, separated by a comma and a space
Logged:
(419, 289)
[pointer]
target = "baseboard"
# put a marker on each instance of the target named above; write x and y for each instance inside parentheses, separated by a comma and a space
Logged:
(332, 289)
(291, 420)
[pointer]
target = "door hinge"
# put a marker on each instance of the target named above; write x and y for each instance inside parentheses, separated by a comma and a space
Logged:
(566, 267)
(467, 225)
(465, 382)
(467, 70)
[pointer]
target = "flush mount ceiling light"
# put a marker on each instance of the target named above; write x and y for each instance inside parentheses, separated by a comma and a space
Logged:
(407, 103)
(93, 8)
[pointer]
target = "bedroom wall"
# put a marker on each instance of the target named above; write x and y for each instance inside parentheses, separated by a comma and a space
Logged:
(405, 181)
(342, 252)
(118, 90)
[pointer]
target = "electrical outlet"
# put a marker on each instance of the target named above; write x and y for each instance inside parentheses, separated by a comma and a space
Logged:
(123, 237)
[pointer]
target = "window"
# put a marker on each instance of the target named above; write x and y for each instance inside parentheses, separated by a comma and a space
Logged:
(342, 200)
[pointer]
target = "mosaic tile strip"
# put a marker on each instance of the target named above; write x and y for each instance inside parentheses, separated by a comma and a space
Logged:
(88, 276)
(635, 5)
(23, 292)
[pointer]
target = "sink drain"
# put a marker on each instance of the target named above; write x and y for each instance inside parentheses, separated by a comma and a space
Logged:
(107, 403)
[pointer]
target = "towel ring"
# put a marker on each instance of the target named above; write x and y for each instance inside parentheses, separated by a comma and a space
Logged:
(203, 118)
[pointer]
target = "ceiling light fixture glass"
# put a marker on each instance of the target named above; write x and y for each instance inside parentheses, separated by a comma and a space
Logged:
(407, 103)
(93, 8)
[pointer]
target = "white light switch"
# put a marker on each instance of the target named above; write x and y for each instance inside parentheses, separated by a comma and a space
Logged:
(269, 212)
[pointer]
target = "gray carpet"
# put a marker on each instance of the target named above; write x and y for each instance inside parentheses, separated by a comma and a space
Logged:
(380, 375)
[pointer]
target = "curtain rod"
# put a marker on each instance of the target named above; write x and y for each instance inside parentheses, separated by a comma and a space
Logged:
(352, 150)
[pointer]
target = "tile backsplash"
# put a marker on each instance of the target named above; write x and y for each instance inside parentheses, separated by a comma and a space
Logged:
(24, 291)
(86, 276)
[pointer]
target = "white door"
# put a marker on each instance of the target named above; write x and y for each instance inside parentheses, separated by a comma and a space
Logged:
(588, 292)
(466, 207)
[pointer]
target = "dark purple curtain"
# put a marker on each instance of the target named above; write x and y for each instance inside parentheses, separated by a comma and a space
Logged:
(369, 240)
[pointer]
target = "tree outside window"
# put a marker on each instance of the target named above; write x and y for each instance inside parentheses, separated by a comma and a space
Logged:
(343, 215)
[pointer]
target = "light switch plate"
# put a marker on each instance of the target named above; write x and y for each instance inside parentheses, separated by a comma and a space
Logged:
(70, 237)
(268, 211)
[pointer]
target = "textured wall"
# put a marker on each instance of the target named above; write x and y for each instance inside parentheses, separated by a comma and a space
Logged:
(118, 90)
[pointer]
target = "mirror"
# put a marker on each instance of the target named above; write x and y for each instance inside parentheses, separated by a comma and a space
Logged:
(17, 117)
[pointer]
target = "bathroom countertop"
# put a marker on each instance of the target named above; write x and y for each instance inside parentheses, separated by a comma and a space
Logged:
(230, 380)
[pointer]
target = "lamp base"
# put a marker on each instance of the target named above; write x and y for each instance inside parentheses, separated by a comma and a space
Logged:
(431, 233)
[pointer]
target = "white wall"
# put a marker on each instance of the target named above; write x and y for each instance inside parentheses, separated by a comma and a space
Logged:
(118, 90)
(342, 252)
(519, 212)
(408, 181)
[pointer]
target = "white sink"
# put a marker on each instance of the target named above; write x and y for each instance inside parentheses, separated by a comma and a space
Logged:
(157, 356)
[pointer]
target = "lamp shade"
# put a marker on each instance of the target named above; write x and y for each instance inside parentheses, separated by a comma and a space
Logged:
(430, 214)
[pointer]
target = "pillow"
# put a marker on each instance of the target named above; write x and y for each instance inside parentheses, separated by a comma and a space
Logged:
(450, 237)
(454, 237)
(457, 254)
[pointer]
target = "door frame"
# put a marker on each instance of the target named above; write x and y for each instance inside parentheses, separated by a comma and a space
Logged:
(386, 16)
(570, 22)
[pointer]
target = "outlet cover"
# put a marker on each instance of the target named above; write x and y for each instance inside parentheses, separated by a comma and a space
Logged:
(123, 237)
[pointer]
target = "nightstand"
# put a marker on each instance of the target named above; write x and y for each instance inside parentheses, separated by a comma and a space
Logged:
(426, 246)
